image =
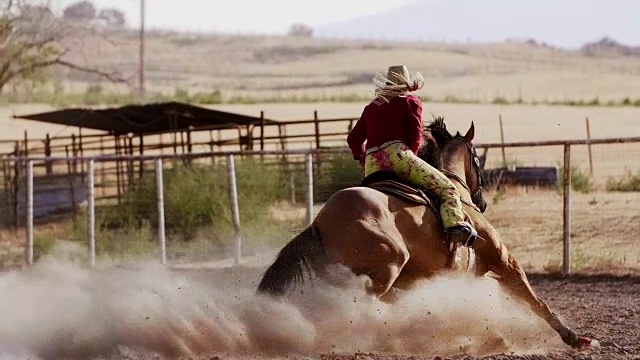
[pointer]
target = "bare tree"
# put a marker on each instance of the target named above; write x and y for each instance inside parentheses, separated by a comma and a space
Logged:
(33, 42)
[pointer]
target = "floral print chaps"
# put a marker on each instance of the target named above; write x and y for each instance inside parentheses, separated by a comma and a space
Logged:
(397, 157)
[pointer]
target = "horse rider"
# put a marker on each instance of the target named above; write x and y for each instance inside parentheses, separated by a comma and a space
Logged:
(391, 125)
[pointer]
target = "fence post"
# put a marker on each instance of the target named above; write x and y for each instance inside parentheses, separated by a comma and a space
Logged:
(233, 193)
(309, 188)
(262, 124)
(316, 123)
(504, 155)
(91, 212)
(589, 146)
(160, 197)
(29, 210)
(566, 233)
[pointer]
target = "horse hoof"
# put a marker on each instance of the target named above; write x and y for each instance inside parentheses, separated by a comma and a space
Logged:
(585, 343)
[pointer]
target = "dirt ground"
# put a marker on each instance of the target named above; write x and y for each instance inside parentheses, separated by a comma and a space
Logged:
(603, 307)
(600, 306)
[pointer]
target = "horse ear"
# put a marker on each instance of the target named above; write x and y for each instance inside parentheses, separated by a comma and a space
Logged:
(470, 133)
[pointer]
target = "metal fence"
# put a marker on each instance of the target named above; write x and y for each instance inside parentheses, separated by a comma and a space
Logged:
(585, 222)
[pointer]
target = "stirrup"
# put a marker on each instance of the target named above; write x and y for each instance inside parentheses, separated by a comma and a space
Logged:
(464, 234)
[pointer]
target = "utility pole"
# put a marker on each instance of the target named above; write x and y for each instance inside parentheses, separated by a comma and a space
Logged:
(141, 70)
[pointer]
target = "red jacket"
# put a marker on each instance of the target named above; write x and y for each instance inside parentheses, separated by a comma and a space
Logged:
(400, 119)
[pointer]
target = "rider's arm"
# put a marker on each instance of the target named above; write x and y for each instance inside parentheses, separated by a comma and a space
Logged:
(357, 136)
(415, 123)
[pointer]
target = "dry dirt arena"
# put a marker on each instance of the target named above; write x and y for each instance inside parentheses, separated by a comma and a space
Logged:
(59, 310)
(600, 306)
(604, 307)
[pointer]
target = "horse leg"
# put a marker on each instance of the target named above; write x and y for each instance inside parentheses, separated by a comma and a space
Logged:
(385, 268)
(512, 277)
(375, 249)
(359, 231)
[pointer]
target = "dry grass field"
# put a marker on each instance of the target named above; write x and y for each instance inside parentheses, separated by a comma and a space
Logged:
(267, 67)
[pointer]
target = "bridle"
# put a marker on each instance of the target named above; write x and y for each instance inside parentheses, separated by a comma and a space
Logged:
(476, 164)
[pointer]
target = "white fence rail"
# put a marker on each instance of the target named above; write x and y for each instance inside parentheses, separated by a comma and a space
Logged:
(91, 224)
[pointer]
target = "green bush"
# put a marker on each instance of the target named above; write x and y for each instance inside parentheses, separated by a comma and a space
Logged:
(628, 183)
(499, 100)
(580, 180)
(197, 196)
(338, 171)
(120, 243)
(42, 245)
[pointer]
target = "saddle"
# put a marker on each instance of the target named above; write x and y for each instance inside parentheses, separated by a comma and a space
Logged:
(390, 183)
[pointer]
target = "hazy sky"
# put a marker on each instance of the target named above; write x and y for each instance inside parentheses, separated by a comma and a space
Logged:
(263, 16)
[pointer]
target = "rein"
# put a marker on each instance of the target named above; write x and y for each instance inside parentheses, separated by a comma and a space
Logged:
(464, 185)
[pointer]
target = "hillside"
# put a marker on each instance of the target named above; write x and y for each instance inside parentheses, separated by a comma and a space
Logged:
(566, 23)
(276, 67)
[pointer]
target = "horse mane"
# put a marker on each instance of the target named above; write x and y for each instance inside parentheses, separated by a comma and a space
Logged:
(434, 137)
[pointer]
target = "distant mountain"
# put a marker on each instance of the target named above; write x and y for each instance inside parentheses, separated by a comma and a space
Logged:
(563, 23)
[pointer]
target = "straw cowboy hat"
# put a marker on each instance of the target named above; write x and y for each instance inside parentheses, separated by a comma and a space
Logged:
(398, 75)
(397, 82)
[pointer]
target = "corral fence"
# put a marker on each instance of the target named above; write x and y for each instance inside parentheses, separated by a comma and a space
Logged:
(575, 204)
(266, 135)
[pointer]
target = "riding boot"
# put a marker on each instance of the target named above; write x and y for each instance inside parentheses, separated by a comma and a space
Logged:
(464, 234)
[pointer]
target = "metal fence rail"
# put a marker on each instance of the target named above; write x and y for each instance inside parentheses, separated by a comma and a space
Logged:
(311, 158)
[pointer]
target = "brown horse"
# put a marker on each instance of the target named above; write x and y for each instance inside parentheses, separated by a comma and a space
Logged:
(397, 242)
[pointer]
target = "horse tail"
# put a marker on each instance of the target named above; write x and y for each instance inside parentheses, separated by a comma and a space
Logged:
(293, 261)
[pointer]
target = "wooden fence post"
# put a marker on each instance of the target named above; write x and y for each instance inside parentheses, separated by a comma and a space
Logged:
(566, 211)
(316, 123)
(262, 123)
(504, 156)
(589, 147)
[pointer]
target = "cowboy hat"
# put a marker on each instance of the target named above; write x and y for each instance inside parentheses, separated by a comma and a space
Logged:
(398, 75)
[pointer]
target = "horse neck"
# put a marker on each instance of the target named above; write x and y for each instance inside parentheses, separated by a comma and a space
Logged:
(453, 164)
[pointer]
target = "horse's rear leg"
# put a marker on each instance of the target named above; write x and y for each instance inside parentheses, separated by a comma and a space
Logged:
(378, 251)
(385, 268)
(513, 278)
(358, 230)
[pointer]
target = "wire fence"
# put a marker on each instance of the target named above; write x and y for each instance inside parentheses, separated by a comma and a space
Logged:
(559, 206)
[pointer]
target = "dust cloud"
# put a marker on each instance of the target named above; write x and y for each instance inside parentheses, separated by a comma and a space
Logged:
(60, 309)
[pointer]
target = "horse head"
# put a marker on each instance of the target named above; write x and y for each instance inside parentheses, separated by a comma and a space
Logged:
(456, 157)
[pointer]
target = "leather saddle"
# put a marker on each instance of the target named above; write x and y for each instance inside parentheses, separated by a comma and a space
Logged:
(390, 183)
